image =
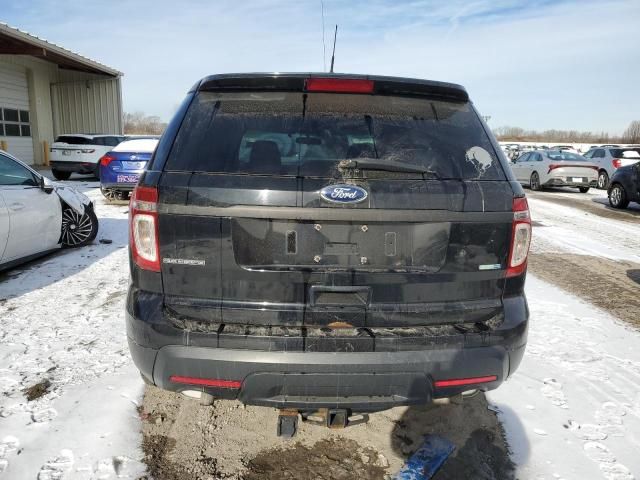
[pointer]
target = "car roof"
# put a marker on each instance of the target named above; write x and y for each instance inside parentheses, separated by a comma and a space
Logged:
(137, 145)
(383, 85)
(90, 135)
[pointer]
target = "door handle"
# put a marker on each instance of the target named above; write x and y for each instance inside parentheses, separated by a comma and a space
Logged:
(16, 206)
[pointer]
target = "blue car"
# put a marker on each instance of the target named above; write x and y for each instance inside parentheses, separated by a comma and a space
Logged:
(120, 168)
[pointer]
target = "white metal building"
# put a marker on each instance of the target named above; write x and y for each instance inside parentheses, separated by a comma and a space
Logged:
(47, 90)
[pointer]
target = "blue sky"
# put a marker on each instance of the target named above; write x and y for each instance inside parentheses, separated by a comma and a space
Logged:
(537, 64)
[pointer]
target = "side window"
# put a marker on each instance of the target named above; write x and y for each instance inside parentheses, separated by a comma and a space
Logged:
(588, 154)
(537, 157)
(99, 141)
(524, 158)
(598, 153)
(12, 173)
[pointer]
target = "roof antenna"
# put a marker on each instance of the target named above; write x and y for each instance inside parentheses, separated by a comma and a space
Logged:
(324, 48)
(333, 55)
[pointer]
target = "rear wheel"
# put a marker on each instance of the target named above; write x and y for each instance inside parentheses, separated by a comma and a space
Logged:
(618, 197)
(78, 230)
(112, 195)
(583, 189)
(535, 182)
(59, 175)
(603, 179)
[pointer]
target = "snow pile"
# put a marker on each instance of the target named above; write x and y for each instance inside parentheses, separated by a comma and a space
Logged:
(63, 344)
(572, 410)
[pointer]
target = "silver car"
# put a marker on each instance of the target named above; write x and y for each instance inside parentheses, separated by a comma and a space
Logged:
(609, 159)
(555, 168)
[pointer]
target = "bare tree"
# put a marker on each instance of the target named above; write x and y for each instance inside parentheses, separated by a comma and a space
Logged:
(567, 136)
(632, 133)
(142, 124)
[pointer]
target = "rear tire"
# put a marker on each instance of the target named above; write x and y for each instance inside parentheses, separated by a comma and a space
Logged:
(59, 175)
(534, 183)
(618, 197)
(603, 179)
(78, 230)
(583, 189)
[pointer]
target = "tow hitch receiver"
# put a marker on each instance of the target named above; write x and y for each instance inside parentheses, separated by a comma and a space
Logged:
(334, 418)
(287, 423)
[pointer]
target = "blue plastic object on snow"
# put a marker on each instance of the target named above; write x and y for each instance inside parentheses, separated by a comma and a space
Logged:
(427, 460)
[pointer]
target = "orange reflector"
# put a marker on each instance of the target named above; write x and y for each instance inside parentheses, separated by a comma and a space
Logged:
(464, 381)
(206, 382)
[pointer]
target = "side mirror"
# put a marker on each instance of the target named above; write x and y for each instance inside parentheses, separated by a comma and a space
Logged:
(45, 184)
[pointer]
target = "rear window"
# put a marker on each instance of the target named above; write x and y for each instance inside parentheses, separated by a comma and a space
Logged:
(560, 155)
(619, 152)
(308, 134)
(71, 140)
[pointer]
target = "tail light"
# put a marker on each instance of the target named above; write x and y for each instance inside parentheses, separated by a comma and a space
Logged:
(339, 85)
(105, 160)
(87, 150)
(616, 162)
(143, 228)
(553, 167)
(520, 238)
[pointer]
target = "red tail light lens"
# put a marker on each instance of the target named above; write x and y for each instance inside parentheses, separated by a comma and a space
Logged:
(554, 166)
(520, 238)
(143, 228)
(616, 162)
(339, 85)
(105, 160)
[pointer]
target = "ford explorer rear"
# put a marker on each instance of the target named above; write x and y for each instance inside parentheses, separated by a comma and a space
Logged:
(324, 241)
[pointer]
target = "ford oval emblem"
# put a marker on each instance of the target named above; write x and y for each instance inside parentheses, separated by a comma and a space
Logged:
(343, 193)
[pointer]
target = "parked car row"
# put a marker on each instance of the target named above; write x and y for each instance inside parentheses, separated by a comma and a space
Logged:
(618, 169)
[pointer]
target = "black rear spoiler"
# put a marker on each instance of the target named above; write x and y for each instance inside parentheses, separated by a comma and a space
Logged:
(297, 82)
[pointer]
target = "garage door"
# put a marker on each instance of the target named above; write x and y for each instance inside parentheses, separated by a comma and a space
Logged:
(15, 126)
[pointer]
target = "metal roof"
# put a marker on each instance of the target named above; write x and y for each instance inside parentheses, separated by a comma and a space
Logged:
(14, 41)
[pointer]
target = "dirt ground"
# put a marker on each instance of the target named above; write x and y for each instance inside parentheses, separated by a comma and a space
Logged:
(183, 439)
(608, 284)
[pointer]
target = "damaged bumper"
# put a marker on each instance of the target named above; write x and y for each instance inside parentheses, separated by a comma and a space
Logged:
(280, 370)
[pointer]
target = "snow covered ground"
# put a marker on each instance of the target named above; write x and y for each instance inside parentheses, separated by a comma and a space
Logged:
(62, 322)
(571, 411)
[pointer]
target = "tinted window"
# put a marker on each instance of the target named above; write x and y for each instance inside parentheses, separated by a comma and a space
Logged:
(112, 141)
(524, 158)
(12, 173)
(308, 134)
(619, 152)
(598, 154)
(71, 140)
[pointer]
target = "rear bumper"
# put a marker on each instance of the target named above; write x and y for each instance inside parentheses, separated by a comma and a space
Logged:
(74, 167)
(565, 182)
(358, 380)
(125, 187)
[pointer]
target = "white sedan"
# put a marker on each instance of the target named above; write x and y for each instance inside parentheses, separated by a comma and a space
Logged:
(38, 216)
(555, 168)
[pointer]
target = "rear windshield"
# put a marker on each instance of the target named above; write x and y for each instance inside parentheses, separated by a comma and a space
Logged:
(619, 152)
(71, 140)
(565, 156)
(309, 134)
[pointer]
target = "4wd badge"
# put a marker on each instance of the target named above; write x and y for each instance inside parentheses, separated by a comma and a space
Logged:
(343, 193)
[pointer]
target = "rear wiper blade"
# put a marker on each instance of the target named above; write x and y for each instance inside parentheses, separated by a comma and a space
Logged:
(384, 165)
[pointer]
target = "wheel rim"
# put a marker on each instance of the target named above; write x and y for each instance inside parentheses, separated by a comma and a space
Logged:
(109, 193)
(602, 180)
(76, 228)
(534, 181)
(616, 196)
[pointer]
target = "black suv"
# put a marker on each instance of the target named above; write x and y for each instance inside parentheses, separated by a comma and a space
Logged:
(324, 241)
(624, 186)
